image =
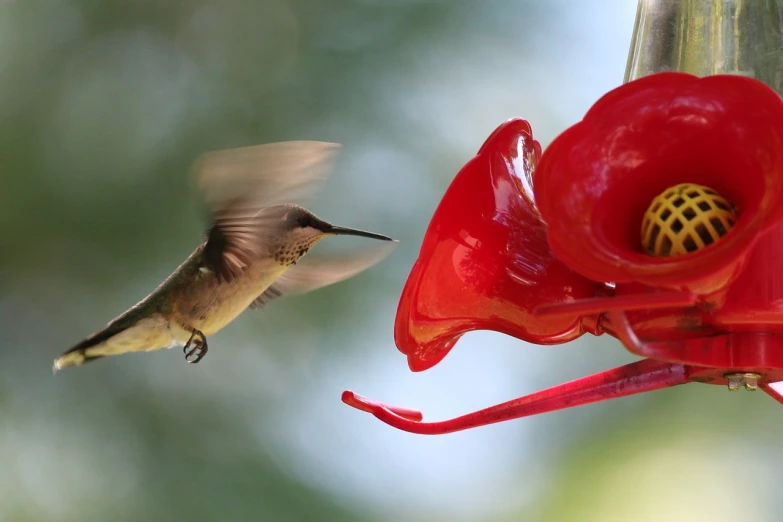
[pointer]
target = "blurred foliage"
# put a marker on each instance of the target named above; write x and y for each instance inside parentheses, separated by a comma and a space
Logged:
(104, 105)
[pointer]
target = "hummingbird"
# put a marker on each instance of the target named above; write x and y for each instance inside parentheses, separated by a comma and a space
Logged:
(253, 253)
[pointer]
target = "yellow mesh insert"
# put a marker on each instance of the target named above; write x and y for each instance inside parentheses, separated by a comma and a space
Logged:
(685, 218)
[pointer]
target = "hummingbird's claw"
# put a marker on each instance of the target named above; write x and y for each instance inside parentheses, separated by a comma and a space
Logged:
(199, 342)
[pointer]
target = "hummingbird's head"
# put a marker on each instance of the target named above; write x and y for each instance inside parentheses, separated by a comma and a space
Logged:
(301, 230)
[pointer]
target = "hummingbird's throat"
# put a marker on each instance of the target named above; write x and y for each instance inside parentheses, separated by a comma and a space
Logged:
(289, 254)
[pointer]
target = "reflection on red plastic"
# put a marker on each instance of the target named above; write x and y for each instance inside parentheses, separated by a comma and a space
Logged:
(569, 261)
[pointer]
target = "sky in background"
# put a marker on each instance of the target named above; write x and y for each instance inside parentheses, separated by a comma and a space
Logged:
(103, 106)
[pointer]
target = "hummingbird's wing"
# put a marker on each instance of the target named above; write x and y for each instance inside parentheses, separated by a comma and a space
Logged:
(311, 273)
(238, 183)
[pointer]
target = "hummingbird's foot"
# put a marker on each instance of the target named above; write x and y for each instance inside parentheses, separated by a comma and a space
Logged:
(199, 343)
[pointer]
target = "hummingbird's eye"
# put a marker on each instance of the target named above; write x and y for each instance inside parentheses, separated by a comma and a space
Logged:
(304, 220)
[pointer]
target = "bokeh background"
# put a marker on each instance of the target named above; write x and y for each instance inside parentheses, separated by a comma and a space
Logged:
(103, 105)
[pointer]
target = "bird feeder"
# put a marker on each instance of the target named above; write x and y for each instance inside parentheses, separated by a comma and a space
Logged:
(657, 220)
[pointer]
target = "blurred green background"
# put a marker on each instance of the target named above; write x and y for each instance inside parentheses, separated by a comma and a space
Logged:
(103, 105)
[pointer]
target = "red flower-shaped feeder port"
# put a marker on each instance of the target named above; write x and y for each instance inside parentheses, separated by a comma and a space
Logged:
(657, 219)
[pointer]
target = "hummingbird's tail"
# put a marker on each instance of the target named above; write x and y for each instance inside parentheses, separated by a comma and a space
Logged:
(123, 335)
(76, 356)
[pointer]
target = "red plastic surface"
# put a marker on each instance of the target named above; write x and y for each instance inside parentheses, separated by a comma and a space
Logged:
(626, 380)
(571, 262)
(485, 263)
(596, 180)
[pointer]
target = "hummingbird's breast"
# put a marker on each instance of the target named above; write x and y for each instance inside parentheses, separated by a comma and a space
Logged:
(208, 305)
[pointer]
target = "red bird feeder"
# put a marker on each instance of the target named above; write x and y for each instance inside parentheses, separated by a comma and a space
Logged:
(657, 219)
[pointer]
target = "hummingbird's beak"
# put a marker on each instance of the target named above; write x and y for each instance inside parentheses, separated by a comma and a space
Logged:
(342, 231)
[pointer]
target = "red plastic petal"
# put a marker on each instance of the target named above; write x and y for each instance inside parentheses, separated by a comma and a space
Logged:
(485, 263)
(596, 180)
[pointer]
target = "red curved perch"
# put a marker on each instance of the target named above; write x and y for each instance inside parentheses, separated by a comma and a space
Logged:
(772, 392)
(638, 377)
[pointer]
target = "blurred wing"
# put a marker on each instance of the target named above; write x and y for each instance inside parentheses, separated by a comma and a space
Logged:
(312, 273)
(264, 175)
(238, 183)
